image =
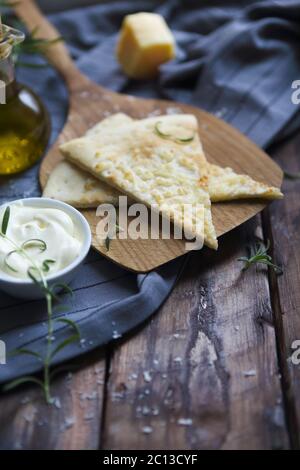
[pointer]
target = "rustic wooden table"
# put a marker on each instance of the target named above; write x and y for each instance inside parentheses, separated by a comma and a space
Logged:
(210, 370)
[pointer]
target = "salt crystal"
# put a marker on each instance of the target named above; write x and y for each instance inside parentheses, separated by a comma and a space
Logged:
(50, 338)
(69, 422)
(133, 376)
(221, 112)
(185, 422)
(56, 402)
(173, 110)
(88, 396)
(178, 360)
(249, 373)
(154, 113)
(147, 376)
(147, 429)
(25, 400)
(116, 335)
(89, 416)
(145, 410)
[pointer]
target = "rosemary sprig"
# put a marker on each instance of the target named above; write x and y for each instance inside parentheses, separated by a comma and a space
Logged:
(33, 45)
(259, 255)
(291, 175)
(37, 275)
(7, 3)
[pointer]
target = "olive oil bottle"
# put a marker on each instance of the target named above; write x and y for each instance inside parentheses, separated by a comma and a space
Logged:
(24, 124)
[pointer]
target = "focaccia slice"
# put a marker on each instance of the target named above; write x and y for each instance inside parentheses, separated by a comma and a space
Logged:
(226, 185)
(74, 186)
(70, 184)
(115, 120)
(157, 161)
(80, 189)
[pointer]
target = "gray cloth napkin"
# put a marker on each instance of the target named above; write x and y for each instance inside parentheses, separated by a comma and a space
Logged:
(236, 60)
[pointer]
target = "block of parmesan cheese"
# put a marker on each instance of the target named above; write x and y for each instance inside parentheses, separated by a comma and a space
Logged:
(145, 43)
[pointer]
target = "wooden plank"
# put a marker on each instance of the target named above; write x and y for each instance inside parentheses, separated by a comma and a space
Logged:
(203, 373)
(72, 423)
(283, 225)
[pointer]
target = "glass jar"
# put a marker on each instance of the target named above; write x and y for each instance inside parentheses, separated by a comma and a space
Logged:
(24, 123)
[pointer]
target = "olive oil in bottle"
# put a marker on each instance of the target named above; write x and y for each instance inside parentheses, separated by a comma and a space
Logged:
(24, 124)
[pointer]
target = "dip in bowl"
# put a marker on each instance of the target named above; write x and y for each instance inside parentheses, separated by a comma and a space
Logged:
(56, 238)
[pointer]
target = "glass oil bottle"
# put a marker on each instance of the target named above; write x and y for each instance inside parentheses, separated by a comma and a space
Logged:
(24, 123)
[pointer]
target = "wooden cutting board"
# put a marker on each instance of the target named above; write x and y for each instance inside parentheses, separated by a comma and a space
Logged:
(89, 103)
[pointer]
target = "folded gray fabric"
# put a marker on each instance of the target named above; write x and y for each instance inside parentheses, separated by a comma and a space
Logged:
(236, 60)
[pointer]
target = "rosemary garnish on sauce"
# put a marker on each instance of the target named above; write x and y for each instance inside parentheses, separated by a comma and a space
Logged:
(259, 255)
(37, 275)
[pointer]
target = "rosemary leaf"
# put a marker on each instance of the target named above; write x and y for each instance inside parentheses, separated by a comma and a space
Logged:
(31, 65)
(178, 140)
(186, 140)
(159, 132)
(32, 242)
(69, 322)
(5, 220)
(291, 175)
(63, 344)
(7, 263)
(26, 351)
(32, 45)
(259, 255)
(45, 264)
(7, 3)
(65, 288)
(32, 276)
(22, 380)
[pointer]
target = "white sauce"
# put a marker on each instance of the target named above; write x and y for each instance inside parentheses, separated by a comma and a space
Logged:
(53, 226)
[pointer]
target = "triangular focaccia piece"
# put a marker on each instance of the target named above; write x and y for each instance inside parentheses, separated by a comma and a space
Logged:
(118, 119)
(157, 161)
(226, 185)
(223, 183)
(70, 184)
(74, 186)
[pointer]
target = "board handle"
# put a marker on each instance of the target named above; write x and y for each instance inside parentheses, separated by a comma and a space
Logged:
(57, 54)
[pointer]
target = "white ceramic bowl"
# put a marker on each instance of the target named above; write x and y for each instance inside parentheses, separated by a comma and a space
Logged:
(26, 289)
